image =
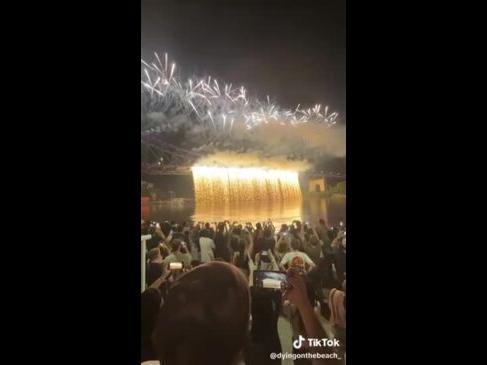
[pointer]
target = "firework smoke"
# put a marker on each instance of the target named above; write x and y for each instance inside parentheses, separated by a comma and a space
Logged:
(206, 116)
(251, 159)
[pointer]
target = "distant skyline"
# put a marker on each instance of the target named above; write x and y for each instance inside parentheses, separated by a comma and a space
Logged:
(295, 52)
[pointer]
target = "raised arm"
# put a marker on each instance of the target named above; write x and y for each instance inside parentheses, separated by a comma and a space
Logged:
(298, 295)
(316, 234)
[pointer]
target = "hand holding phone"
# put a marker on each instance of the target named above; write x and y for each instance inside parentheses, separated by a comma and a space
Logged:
(296, 291)
(274, 280)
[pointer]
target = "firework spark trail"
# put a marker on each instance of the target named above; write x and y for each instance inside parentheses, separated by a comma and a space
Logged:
(211, 104)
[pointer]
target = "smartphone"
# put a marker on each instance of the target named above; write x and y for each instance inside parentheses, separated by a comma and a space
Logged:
(341, 224)
(175, 266)
(275, 280)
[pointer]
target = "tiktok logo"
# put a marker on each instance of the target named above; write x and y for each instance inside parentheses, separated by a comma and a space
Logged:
(299, 342)
(316, 342)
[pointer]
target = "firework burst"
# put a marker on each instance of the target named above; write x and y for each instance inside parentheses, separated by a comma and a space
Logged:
(219, 107)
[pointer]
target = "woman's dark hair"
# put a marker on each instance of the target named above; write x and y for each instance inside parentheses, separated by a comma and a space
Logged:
(166, 228)
(295, 244)
(205, 317)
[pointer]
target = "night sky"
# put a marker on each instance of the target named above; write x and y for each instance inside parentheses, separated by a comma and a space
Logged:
(293, 51)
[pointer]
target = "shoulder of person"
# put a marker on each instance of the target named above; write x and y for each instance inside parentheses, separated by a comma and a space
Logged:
(287, 256)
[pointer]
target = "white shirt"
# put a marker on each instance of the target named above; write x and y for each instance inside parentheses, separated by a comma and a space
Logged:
(301, 256)
(207, 246)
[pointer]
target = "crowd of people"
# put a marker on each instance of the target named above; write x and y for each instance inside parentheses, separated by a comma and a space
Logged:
(202, 304)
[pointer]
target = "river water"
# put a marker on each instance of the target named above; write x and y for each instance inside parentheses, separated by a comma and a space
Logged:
(309, 209)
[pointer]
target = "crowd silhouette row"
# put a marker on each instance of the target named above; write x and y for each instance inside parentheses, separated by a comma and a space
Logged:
(204, 304)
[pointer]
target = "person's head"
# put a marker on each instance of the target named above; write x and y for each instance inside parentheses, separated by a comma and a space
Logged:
(294, 233)
(283, 246)
(235, 243)
(258, 226)
(207, 226)
(314, 240)
(246, 237)
(164, 251)
(283, 228)
(221, 227)
(205, 317)
(267, 232)
(179, 228)
(295, 244)
(175, 245)
(183, 248)
(166, 228)
(322, 222)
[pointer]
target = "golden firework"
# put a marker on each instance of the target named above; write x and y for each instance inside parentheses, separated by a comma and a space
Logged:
(235, 184)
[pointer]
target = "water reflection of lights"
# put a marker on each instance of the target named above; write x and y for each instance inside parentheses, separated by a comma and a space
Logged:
(252, 211)
(309, 210)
